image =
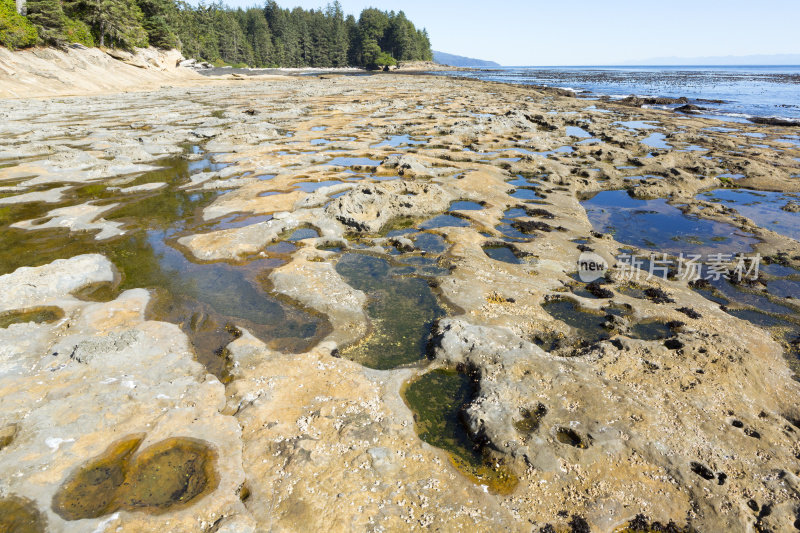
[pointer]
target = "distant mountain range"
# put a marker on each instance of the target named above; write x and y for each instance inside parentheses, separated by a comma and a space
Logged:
(764, 59)
(461, 61)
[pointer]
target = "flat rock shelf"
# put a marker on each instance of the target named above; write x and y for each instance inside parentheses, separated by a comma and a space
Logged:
(302, 303)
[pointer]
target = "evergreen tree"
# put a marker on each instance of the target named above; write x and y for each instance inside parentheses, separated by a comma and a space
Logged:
(159, 21)
(272, 36)
(118, 22)
(257, 31)
(232, 44)
(339, 40)
(48, 18)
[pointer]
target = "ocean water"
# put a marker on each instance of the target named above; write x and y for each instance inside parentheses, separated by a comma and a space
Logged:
(768, 91)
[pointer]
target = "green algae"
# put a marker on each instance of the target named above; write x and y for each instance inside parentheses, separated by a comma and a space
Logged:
(402, 310)
(91, 491)
(439, 399)
(39, 315)
(202, 298)
(170, 474)
(652, 331)
(571, 437)
(589, 325)
(530, 419)
(19, 515)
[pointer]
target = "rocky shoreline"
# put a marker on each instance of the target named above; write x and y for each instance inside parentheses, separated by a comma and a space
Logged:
(368, 215)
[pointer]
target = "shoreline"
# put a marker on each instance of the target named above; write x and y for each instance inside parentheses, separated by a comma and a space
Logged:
(631, 86)
(629, 425)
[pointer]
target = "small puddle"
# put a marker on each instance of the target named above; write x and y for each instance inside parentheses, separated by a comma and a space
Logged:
(396, 141)
(694, 148)
(526, 194)
(439, 400)
(311, 186)
(588, 325)
(20, 515)
(571, 437)
(402, 310)
(651, 331)
(502, 253)
(353, 162)
(523, 181)
(574, 131)
(170, 474)
(38, 315)
(444, 221)
(430, 243)
(302, 234)
(637, 124)
(509, 232)
(559, 150)
(464, 205)
(656, 140)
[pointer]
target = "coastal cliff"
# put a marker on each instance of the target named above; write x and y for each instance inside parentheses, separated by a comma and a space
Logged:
(80, 70)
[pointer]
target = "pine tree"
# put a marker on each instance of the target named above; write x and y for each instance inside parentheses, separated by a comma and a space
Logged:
(119, 21)
(214, 32)
(232, 44)
(16, 31)
(338, 41)
(48, 17)
(159, 16)
(257, 31)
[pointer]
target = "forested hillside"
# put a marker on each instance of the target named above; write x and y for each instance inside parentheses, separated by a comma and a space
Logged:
(268, 36)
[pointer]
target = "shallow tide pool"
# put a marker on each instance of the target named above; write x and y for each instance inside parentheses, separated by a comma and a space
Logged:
(763, 208)
(659, 226)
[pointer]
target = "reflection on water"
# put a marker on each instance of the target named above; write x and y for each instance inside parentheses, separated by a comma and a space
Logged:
(502, 253)
(353, 162)
(206, 300)
(399, 140)
(656, 140)
(763, 208)
(656, 225)
(574, 131)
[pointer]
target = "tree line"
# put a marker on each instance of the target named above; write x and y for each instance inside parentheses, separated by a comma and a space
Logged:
(257, 37)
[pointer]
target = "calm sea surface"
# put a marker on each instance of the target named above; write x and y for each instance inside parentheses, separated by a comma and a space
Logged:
(746, 90)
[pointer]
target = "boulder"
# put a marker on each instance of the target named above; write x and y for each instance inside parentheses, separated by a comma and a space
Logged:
(689, 108)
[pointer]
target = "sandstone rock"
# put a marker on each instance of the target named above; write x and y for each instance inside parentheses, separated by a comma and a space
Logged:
(105, 375)
(369, 207)
(791, 207)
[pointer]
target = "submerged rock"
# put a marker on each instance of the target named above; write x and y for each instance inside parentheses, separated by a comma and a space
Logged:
(791, 207)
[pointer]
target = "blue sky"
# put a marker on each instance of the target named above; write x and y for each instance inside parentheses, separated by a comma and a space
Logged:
(581, 32)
